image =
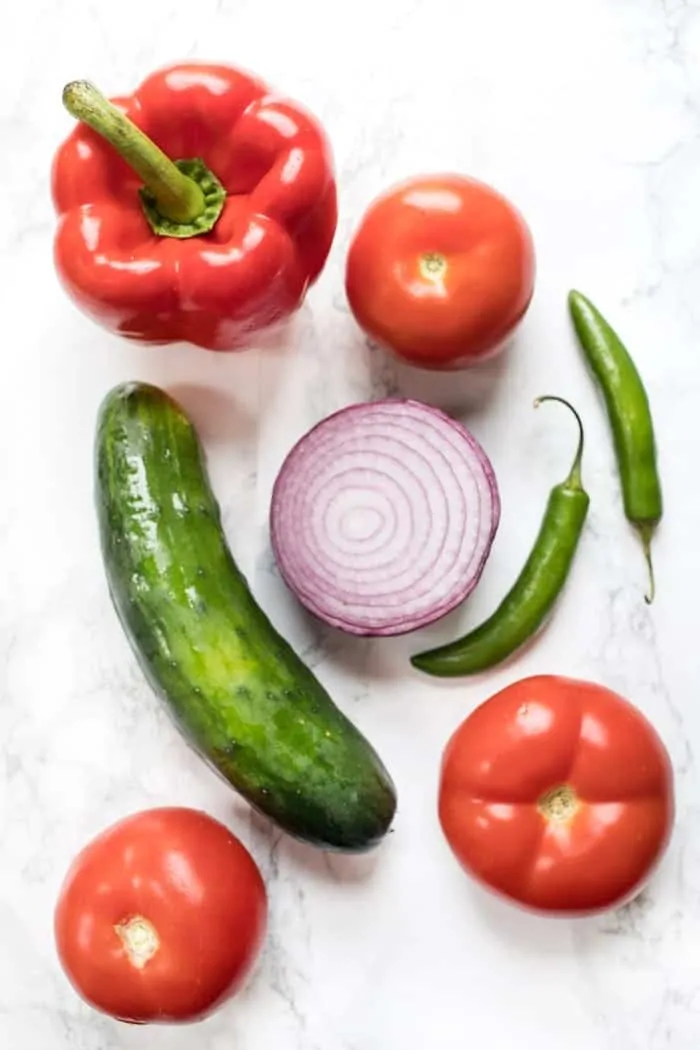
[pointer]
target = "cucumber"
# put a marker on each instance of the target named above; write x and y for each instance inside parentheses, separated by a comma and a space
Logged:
(236, 689)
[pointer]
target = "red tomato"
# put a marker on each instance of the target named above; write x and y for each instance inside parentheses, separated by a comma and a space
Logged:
(161, 917)
(557, 794)
(440, 271)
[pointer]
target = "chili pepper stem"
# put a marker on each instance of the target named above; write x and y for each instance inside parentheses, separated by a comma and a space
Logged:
(646, 532)
(177, 197)
(574, 480)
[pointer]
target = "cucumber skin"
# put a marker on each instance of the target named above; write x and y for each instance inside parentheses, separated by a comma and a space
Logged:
(236, 689)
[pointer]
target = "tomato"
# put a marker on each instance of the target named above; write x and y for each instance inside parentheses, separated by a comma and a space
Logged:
(558, 795)
(161, 917)
(441, 271)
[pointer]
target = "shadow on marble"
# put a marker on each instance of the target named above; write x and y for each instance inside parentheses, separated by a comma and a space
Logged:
(371, 659)
(528, 932)
(531, 933)
(342, 868)
(627, 921)
(317, 642)
(282, 340)
(463, 392)
(217, 416)
(286, 854)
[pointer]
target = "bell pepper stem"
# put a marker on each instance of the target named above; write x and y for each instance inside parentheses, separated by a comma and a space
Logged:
(177, 197)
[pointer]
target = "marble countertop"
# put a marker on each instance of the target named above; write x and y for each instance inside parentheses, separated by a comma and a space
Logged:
(587, 116)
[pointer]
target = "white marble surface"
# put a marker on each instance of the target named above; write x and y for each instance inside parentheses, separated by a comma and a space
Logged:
(587, 115)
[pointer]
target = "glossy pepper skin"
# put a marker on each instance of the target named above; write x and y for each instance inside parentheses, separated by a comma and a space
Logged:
(268, 246)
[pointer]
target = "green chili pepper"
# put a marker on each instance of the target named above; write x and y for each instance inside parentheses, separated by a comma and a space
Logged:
(526, 606)
(630, 419)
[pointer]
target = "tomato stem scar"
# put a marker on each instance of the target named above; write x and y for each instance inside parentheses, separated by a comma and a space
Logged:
(140, 940)
(560, 805)
(432, 265)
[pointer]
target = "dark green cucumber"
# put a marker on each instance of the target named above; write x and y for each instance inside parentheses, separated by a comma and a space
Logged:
(237, 690)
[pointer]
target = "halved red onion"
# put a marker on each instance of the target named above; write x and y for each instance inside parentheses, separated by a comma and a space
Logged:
(383, 516)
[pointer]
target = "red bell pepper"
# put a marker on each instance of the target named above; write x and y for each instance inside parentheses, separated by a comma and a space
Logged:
(206, 249)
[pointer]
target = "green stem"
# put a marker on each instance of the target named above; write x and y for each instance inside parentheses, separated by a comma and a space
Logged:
(574, 479)
(646, 532)
(177, 197)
